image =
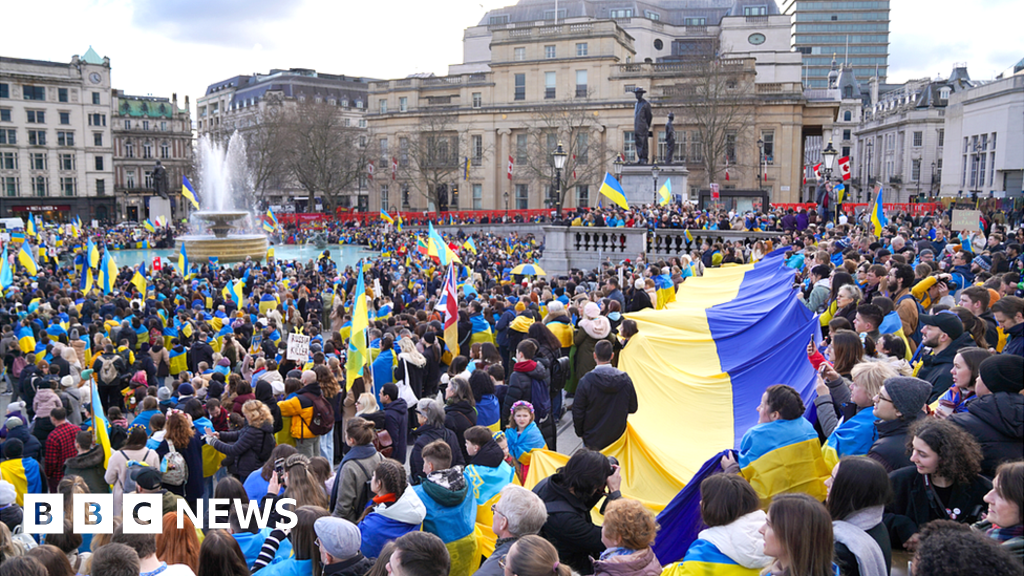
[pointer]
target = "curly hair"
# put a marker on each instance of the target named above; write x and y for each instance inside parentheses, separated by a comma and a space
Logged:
(959, 453)
(179, 430)
(257, 413)
(948, 547)
(328, 383)
(631, 523)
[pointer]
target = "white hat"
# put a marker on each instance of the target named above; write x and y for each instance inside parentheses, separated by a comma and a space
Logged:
(639, 284)
(7, 493)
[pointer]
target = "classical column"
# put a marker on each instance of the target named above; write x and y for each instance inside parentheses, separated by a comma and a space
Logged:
(501, 167)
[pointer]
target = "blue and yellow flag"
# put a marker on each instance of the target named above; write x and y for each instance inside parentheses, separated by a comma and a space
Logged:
(26, 259)
(149, 226)
(24, 474)
(6, 274)
(92, 254)
(189, 192)
(665, 290)
(100, 424)
(85, 284)
(26, 339)
(268, 302)
(108, 272)
(470, 245)
(183, 268)
(878, 218)
(357, 346)
(705, 559)
(270, 219)
(783, 456)
(386, 217)
(840, 192)
(613, 190)
(853, 437)
(30, 227)
(665, 192)
(139, 279)
(235, 290)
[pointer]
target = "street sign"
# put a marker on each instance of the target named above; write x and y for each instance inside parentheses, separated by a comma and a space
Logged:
(298, 347)
(965, 220)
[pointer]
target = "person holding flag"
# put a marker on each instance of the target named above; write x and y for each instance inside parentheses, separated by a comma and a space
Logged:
(358, 355)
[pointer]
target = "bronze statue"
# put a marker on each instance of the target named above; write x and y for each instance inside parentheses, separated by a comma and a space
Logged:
(670, 138)
(642, 117)
(160, 182)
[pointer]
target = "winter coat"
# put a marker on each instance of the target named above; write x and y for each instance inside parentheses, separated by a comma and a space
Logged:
(639, 563)
(264, 393)
(192, 490)
(1015, 344)
(936, 367)
(890, 450)
(117, 470)
(426, 434)
(451, 507)
(740, 541)
(585, 342)
(605, 398)
(417, 374)
(357, 566)
(300, 407)
(491, 566)
(569, 526)
(90, 467)
(847, 560)
(997, 422)
(458, 418)
(33, 447)
(637, 301)
(45, 401)
(12, 515)
(489, 455)
(353, 473)
(249, 447)
(913, 506)
(239, 401)
(520, 386)
(387, 523)
(396, 422)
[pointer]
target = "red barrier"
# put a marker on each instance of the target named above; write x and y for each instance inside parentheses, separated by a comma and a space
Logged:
(850, 208)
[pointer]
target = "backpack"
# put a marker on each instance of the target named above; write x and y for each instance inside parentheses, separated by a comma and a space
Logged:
(916, 336)
(322, 420)
(118, 436)
(541, 399)
(365, 493)
(109, 374)
(559, 373)
(18, 365)
(128, 487)
(173, 467)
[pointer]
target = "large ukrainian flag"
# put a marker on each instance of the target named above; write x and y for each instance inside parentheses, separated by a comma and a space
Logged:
(102, 427)
(24, 474)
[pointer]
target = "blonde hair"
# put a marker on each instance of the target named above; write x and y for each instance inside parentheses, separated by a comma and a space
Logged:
(257, 413)
(369, 403)
(871, 375)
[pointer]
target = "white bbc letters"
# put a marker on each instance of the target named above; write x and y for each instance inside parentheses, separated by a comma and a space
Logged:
(44, 514)
(149, 509)
(96, 513)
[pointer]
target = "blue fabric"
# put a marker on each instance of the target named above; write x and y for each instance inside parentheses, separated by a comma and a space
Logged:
(764, 438)
(487, 411)
(383, 371)
(487, 482)
(855, 436)
(255, 486)
(519, 444)
(288, 567)
(377, 530)
(250, 544)
(143, 419)
(480, 325)
(448, 523)
(680, 521)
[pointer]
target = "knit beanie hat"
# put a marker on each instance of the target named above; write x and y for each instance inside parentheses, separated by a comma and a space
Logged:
(591, 310)
(908, 395)
(7, 493)
(339, 537)
(520, 306)
(1003, 373)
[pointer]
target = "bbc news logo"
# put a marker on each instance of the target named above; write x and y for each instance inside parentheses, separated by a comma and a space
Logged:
(143, 514)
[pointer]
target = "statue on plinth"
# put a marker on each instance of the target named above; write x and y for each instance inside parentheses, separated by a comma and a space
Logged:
(160, 182)
(670, 139)
(642, 117)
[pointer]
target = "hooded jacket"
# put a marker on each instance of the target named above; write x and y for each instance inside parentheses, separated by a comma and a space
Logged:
(605, 398)
(1015, 345)
(639, 563)
(569, 526)
(997, 422)
(585, 341)
(249, 447)
(396, 422)
(89, 466)
(936, 367)
(520, 385)
(451, 508)
(33, 449)
(426, 434)
(387, 523)
(740, 540)
(265, 393)
(490, 455)
(300, 407)
(458, 418)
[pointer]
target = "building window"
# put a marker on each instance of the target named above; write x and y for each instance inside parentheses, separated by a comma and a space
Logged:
(520, 86)
(163, 126)
(918, 139)
(129, 150)
(359, 103)
(768, 138)
(5, 114)
(405, 196)
(148, 178)
(40, 185)
(581, 49)
(755, 10)
(5, 91)
(549, 51)
(477, 99)
(37, 137)
(847, 116)
(549, 85)
(36, 116)
(730, 147)
(97, 139)
(521, 147)
(8, 136)
(145, 124)
(67, 186)
(695, 22)
(522, 197)
(628, 146)
(915, 170)
(33, 92)
(403, 152)
(65, 117)
(497, 20)
(519, 54)
(384, 198)
(10, 185)
(147, 150)
(846, 151)
(8, 161)
(65, 138)
(383, 143)
(477, 142)
(622, 13)
(95, 97)
(582, 152)
(165, 150)
(99, 163)
(67, 161)
(942, 137)
(38, 161)
(383, 106)
(129, 179)
(581, 83)
(696, 151)
(101, 187)
(652, 15)
(582, 196)
(101, 120)
(403, 104)
(127, 123)
(846, 134)
(478, 196)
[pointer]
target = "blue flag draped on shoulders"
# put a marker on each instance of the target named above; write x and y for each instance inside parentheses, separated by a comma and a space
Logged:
(853, 437)
(783, 456)
(665, 289)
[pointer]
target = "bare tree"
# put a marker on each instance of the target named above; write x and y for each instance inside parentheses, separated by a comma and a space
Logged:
(571, 123)
(433, 157)
(266, 154)
(716, 97)
(324, 156)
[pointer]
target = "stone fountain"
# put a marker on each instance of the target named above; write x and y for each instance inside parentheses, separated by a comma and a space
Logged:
(224, 184)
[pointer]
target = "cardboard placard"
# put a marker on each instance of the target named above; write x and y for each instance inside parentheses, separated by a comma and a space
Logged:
(298, 347)
(965, 220)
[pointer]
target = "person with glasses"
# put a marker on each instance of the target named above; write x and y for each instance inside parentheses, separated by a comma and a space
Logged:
(518, 513)
(898, 404)
(339, 541)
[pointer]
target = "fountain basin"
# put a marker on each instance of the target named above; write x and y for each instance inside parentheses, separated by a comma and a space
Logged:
(233, 248)
(220, 220)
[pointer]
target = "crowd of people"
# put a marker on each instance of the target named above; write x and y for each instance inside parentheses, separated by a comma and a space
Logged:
(414, 464)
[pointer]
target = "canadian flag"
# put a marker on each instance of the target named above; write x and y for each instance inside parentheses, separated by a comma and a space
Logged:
(369, 170)
(805, 174)
(727, 168)
(511, 163)
(817, 170)
(844, 167)
(394, 167)
(158, 263)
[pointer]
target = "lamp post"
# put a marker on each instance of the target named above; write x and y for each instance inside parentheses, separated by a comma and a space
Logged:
(505, 196)
(760, 161)
(655, 172)
(931, 185)
(870, 146)
(559, 156)
(617, 168)
(828, 156)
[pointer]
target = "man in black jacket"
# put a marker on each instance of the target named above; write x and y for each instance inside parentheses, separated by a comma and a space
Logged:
(996, 417)
(520, 383)
(396, 420)
(898, 404)
(605, 398)
(944, 333)
(201, 351)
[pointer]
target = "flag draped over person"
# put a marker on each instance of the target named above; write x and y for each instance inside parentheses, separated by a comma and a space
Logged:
(451, 311)
(357, 345)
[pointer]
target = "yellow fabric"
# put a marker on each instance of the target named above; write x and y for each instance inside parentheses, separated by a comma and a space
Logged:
(920, 291)
(211, 460)
(300, 416)
(828, 314)
(463, 555)
(785, 470)
(707, 569)
(285, 435)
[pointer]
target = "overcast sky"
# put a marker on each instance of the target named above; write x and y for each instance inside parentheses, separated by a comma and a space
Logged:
(162, 46)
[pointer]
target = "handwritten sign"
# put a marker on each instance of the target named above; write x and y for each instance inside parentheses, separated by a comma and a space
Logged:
(298, 347)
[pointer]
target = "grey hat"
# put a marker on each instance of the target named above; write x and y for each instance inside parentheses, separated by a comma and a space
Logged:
(909, 395)
(338, 536)
(13, 422)
(164, 393)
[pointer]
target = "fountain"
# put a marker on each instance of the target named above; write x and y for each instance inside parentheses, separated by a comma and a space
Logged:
(224, 184)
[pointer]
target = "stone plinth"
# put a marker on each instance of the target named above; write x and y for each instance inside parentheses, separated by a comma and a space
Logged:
(160, 207)
(638, 184)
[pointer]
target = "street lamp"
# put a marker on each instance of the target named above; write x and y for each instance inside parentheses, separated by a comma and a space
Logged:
(870, 146)
(829, 157)
(505, 196)
(931, 185)
(617, 167)
(655, 172)
(559, 156)
(760, 161)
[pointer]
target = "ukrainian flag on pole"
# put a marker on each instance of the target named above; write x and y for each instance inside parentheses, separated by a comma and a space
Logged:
(386, 217)
(357, 353)
(613, 190)
(108, 273)
(101, 428)
(665, 192)
(189, 192)
(878, 218)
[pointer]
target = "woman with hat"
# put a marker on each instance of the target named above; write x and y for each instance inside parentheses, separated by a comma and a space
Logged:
(592, 328)
(996, 417)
